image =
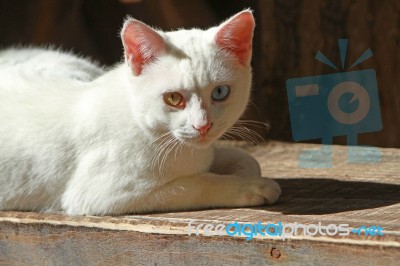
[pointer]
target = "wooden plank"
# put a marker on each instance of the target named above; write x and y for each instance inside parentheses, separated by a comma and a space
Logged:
(358, 195)
(44, 244)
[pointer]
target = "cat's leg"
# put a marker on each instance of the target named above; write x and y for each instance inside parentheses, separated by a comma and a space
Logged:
(234, 161)
(186, 193)
(234, 181)
(213, 190)
(95, 190)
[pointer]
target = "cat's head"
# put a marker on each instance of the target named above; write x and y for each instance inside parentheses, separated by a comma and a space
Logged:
(193, 83)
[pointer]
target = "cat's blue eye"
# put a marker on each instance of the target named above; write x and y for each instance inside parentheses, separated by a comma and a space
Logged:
(220, 93)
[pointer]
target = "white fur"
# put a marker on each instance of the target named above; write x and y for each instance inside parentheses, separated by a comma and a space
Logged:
(50, 63)
(110, 145)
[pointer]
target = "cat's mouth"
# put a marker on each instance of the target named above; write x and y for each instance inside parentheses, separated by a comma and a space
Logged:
(197, 141)
(203, 139)
(201, 142)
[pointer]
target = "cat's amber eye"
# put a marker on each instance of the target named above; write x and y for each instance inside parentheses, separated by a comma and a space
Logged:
(220, 93)
(174, 99)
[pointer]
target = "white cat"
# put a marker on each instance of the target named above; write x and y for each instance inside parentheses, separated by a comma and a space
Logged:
(138, 138)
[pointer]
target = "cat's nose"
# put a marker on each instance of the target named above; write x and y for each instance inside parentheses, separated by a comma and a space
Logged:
(204, 129)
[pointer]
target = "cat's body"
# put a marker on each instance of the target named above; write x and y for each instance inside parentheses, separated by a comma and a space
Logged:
(75, 139)
(49, 63)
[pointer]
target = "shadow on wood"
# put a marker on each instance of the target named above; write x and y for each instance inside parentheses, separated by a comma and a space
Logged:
(325, 196)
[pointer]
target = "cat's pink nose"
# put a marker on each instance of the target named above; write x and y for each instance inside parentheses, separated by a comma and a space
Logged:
(204, 129)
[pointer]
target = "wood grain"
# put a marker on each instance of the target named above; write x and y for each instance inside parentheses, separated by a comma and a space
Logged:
(358, 195)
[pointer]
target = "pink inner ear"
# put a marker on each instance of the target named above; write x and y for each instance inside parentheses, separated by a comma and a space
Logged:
(236, 36)
(142, 45)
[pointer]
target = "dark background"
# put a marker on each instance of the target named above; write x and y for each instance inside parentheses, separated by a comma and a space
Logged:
(287, 37)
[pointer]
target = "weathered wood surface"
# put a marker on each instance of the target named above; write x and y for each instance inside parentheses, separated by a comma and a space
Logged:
(365, 194)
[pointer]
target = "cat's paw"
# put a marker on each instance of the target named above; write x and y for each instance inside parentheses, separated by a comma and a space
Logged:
(259, 191)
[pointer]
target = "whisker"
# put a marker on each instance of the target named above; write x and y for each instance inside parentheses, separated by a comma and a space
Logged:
(254, 123)
(167, 150)
(246, 134)
(159, 150)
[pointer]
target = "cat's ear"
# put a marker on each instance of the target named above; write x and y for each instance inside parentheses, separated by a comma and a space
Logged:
(236, 36)
(142, 44)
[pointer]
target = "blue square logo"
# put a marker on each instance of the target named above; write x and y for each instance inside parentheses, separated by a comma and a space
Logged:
(336, 104)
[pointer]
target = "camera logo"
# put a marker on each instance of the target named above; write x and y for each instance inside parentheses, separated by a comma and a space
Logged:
(338, 104)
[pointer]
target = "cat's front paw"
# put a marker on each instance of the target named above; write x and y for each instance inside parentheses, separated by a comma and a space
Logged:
(259, 191)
